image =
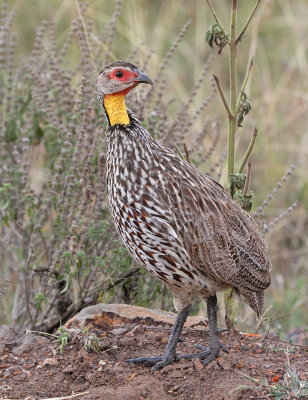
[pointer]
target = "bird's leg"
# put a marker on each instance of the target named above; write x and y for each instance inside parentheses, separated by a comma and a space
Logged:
(170, 352)
(209, 354)
(215, 344)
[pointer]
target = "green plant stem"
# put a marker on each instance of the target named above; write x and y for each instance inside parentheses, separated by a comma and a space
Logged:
(233, 90)
(248, 177)
(223, 97)
(215, 16)
(230, 307)
(248, 21)
(248, 72)
(248, 151)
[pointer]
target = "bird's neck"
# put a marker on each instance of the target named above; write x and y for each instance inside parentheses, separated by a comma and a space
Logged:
(115, 108)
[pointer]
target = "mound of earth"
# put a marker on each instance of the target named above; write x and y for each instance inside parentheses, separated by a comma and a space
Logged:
(100, 338)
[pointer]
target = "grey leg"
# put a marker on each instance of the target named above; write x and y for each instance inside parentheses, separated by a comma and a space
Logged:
(215, 344)
(170, 352)
(209, 354)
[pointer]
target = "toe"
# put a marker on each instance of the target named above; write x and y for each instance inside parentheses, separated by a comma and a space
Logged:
(201, 347)
(145, 360)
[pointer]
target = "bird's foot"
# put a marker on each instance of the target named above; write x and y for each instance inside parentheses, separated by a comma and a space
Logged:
(159, 362)
(206, 355)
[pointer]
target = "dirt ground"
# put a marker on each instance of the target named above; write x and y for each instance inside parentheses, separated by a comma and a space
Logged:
(32, 367)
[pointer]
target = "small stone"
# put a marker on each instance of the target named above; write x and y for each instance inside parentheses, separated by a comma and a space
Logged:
(224, 364)
(90, 377)
(69, 369)
(174, 389)
(17, 372)
(198, 364)
(118, 331)
(50, 361)
(240, 365)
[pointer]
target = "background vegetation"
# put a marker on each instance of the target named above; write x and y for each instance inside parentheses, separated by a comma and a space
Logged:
(58, 249)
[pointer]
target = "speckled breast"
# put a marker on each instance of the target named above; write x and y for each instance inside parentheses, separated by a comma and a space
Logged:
(135, 201)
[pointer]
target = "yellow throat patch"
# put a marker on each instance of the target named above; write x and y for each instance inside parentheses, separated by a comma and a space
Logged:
(116, 109)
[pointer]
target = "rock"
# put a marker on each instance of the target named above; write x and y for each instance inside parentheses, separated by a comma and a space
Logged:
(224, 364)
(26, 343)
(106, 316)
(6, 334)
(19, 343)
(50, 361)
(244, 347)
(69, 369)
(198, 364)
(118, 331)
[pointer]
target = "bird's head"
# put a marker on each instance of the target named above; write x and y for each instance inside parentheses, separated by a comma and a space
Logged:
(113, 84)
(119, 78)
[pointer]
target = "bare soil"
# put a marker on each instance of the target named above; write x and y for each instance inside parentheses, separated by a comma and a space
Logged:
(32, 367)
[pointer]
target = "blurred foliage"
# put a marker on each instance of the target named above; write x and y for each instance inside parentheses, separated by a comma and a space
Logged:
(57, 241)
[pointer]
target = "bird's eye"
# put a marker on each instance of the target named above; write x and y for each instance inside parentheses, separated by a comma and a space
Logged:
(119, 74)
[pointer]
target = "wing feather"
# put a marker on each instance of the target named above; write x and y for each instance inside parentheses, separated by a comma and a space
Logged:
(223, 241)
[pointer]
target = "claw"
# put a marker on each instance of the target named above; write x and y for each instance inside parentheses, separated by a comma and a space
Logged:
(223, 348)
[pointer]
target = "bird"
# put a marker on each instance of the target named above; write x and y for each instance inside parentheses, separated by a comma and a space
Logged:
(177, 222)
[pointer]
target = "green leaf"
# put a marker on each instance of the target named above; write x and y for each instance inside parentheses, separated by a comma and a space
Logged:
(11, 132)
(38, 299)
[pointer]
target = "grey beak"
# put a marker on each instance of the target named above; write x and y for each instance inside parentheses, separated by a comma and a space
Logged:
(142, 78)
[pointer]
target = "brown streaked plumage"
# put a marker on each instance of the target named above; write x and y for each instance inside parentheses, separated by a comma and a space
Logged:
(177, 222)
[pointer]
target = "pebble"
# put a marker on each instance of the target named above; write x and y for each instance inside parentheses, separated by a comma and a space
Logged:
(198, 364)
(118, 331)
(50, 361)
(224, 364)
(69, 369)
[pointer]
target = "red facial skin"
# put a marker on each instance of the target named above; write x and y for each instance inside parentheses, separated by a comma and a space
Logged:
(127, 77)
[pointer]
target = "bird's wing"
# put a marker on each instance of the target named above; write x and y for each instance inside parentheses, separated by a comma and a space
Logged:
(221, 239)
